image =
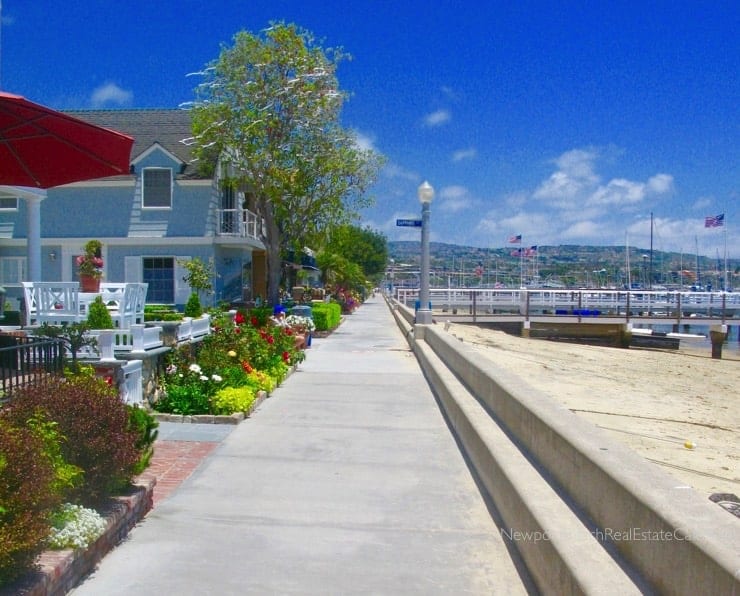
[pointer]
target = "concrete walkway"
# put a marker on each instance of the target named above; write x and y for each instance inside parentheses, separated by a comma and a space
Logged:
(346, 481)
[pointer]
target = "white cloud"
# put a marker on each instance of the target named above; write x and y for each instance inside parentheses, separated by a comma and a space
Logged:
(454, 199)
(464, 154)
(575, 175)
(110, 93)
(618, 192)
(364, 142)
(437, 118)
(394, 171)
(577, 185)
(702, 203)
(660, 183)
(583, 229)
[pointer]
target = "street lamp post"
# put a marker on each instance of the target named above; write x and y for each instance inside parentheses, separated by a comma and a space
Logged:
(424, 314)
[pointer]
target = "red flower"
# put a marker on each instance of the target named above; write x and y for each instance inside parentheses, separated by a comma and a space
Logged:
(286, 357)
(237, 331)
(270, 339)
(246, 367)
(239, 318)
(287, 331)
(254, 321)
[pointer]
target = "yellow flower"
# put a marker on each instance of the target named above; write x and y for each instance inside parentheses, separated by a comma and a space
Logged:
(232, 353)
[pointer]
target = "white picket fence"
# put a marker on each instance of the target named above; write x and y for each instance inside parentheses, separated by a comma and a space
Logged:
(132, 391)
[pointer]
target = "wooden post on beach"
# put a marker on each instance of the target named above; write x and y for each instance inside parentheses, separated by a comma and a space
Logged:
(717, 334)
(526, 328)
(624, 335)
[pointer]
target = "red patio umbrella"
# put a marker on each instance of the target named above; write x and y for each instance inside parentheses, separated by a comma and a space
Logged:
(41, 147)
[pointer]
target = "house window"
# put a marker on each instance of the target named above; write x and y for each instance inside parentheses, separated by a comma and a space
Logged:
(229, 220)
(157, 188)
(12, 270)
(9, 204)
(159, 273)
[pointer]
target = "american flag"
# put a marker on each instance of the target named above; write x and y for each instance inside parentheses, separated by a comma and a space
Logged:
(515, 239)
(714, 222)
(530, 252)
(517, 252)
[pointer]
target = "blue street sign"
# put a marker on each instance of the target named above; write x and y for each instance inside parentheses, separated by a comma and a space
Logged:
(409, 223)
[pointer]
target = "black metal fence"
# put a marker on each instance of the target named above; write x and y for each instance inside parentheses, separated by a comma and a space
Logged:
(27, 361)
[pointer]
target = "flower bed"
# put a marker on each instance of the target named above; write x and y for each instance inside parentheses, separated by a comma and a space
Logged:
(224, 373)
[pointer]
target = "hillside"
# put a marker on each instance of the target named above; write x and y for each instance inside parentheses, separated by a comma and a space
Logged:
(571, 265)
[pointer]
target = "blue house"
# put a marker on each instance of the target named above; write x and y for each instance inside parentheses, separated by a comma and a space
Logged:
(164, 212)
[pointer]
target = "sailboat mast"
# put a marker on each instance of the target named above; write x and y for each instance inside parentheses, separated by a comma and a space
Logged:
(698, 274)
(650, 280)
(627, 252)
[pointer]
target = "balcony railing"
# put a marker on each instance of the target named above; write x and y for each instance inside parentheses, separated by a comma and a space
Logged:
(240, 223)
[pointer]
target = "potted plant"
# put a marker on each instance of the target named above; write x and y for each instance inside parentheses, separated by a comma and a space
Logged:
(90, 266)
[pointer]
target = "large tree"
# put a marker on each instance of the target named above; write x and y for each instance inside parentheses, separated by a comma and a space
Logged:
(364, 246)
(269, 109)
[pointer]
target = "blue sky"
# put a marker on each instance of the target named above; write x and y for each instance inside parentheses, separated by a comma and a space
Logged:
(568, 122)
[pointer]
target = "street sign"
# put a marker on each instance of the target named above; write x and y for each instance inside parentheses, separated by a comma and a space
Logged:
(408, 223)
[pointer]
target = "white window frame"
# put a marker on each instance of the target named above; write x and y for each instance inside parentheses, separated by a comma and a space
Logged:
(143, 188)
(18, 264)
(4, 208)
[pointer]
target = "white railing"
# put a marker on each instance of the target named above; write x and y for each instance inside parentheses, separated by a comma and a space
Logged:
(192, 329)
(137, 339)
(132, 391)
(242, 223)
(633, 303)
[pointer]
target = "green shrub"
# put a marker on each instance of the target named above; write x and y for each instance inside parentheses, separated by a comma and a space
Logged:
(95, 422)
(193, 308)
(99, 317)
(161, 312)
(66, 476)
(27, 497)
(326, 315)
(230, 400)
(145, 426)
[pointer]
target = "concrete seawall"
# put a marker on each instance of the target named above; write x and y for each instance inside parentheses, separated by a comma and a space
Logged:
(612, 522)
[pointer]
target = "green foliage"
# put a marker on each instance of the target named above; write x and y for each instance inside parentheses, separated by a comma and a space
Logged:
(27, 496)
(363, 246)
(199, 274)
(326, 315)
(188, 390)
(230, 400)
(193, 308)
(94, 421)
(99, 316)
(145, 426)
(66, 476)
(284, 138)
(248, 351)
(72, 334)
(161, 312)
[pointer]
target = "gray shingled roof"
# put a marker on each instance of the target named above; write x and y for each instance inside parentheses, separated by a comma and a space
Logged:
(148, 126)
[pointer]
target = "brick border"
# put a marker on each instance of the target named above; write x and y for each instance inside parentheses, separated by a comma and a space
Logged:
(59, 571)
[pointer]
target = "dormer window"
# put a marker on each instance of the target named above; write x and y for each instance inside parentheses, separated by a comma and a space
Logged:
(157, 188)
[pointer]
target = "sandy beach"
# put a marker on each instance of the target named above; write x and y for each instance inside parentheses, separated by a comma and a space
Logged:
(678, 409)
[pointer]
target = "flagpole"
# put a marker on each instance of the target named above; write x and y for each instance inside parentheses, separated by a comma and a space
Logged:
(727, 279)
(521, 262)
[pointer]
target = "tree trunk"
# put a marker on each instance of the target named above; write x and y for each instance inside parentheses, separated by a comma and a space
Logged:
(274, 262)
